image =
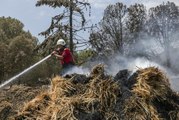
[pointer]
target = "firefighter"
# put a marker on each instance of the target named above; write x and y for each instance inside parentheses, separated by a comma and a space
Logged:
(64, 55)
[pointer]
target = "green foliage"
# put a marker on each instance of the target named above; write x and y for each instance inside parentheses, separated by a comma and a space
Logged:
(42, 73)
(20, 53)
(16, 48)
(17, 54)
(4, 66)
(84, 56)
(10, 28)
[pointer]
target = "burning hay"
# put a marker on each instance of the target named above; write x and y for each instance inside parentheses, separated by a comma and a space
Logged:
(68, 101)
(151, 97)
(144, 95)
(151, 83)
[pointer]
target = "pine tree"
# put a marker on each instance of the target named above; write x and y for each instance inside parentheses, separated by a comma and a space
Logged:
(63, 24)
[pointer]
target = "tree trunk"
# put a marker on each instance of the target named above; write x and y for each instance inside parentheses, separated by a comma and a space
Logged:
(121, 38)
(71, 25)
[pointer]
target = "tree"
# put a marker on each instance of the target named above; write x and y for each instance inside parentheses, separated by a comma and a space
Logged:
(17, 53)
(21, 53)
(9, 28)
(136, 19)
(3, 61)
(16, 47)
(111, 31)
(163, 23)
(63, 23)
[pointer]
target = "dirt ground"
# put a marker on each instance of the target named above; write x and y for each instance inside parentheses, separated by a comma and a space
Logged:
(13, 98)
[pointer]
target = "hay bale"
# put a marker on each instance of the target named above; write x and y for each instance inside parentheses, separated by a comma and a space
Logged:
(151, 83)
(68, 101)
(150, 94)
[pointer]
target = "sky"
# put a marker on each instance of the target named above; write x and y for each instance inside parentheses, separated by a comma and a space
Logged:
(37, 19)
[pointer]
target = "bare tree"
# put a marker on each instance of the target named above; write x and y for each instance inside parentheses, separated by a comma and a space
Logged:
(110, 33)
(136, 20)
(162, 24)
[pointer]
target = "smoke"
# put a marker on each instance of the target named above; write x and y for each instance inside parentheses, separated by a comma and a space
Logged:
(132, 64)
(142, 63)
(78, 70)
(147, 52)
(119, 62)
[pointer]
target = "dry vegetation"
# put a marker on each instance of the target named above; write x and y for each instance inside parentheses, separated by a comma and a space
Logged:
(13, 98)
(67, 100)
(144, 95)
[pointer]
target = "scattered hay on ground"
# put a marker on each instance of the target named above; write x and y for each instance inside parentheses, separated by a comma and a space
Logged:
(13, 98)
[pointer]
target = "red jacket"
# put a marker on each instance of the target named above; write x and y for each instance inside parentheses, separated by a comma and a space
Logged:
(67, 56)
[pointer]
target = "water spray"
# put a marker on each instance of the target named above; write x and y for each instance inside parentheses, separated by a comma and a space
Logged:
(26, 70)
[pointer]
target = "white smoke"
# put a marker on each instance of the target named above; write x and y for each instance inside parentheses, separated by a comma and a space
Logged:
(142, 63)
(147, 47)
(78, 70)
(133, 64)
(118, 63)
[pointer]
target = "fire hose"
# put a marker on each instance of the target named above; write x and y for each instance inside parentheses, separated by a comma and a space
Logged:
(23, 72)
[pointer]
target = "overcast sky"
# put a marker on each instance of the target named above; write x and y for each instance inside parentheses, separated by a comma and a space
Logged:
(37, 19)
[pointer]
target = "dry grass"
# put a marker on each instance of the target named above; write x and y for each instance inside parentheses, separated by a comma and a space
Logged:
(13, 98)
